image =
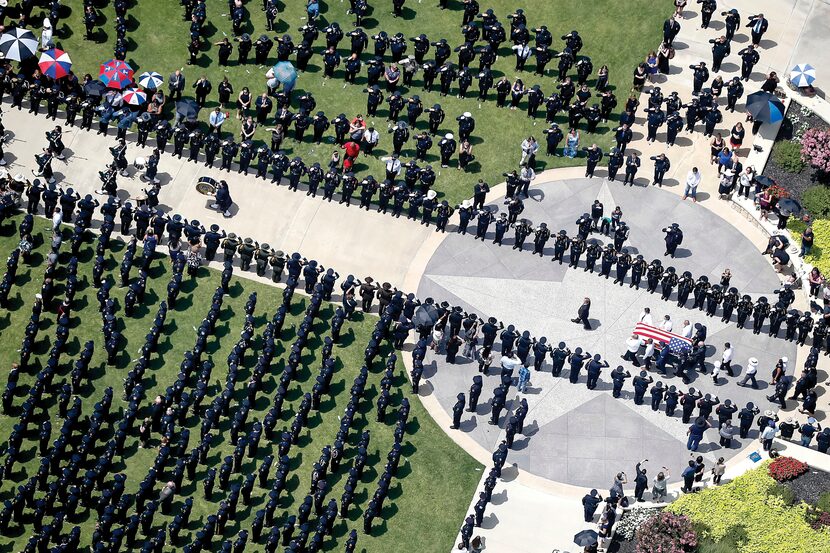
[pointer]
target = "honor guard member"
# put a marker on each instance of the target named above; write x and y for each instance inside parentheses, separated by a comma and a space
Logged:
(594, 156)
(229, 151)
(230, 245)
(522, 231)
(541, 236)
(443, 213)
(483, 219)
(734, 91)
(553, 136)
(745, 308)
(246, 253)
(749, 57)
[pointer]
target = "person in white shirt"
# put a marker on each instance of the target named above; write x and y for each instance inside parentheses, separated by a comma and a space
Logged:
(726, 359)
(648, 354)
(633, 345)
(57, 219)
(529, 149)
(751, 371)
(667, 325)
(645, 317)
(692, 180)
(393, 167)
(216, 119)
(687, 329)
(716, 368)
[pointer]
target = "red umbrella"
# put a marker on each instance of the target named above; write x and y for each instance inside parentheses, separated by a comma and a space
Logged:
(55, 63)
(116, 74)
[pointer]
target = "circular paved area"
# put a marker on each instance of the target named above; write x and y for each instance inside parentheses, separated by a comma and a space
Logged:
(575, 435)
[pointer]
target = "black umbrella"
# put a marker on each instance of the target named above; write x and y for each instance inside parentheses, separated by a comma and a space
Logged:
(188, 109)
(425, 315)
(586, 538)
(764, 180)
(95, 89)
(765, 107)
(788, 206)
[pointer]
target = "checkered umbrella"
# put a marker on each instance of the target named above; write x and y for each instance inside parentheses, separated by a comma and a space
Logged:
(150, 80)
(55, 63)
(134, 97)
(18, 44)
(116, 74)
(802, 75)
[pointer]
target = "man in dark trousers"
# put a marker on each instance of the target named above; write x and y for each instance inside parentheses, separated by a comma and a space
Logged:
(582, 314)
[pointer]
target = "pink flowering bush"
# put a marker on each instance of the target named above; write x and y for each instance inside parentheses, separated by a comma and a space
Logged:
(815, 149)
(666, 533)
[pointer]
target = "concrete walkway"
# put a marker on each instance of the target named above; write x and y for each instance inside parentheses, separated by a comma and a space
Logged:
(528, 513)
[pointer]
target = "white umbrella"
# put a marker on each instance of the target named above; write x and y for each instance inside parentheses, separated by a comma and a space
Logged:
(803, 75)
(18, 44)
(150, 80)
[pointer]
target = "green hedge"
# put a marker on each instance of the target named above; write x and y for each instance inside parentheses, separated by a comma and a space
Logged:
(787, 155)
(816, 201)
(745, 507)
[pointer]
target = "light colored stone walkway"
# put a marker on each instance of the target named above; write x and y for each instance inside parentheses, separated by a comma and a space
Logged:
(529, 514)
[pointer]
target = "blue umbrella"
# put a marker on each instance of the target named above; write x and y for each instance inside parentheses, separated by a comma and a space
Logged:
(285, 73)
(765, 107)
(803, 75)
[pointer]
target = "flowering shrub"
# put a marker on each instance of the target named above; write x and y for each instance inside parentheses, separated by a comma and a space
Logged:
(787, 468)
(817, 518)
(767, 523)
(666, 533)
(778, 192)
(632, 520)
(815, 149)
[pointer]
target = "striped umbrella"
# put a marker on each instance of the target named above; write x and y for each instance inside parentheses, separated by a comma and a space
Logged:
(150, 80)
(134, 97)
(55, 63)
(116, 74)
(18, 44)
(802, 75)
(765, 107)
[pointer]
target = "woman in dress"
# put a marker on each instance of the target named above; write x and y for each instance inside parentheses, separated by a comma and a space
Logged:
(736, 137)
(651, 65)
(516, 93)
(664, 54)
(640, 76)
(716, 87)
(716, 145)
(243, 102)
(225, 91)
(248, 129)
(571, 143)
(465, 154)
(602, 79)
(679, 5)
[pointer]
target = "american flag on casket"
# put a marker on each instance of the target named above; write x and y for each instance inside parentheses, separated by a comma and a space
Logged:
(675, 342)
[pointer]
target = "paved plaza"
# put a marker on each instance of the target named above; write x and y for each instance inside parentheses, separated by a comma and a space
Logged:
(574, 438)
(578, 436)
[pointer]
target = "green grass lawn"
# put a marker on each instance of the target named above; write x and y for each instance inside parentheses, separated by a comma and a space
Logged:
(435, 477)
(615, 33)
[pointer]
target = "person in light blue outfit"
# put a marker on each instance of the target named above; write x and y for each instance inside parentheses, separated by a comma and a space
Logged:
(571, 143)
(524, 378)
